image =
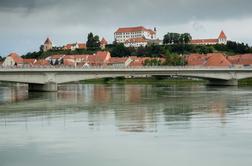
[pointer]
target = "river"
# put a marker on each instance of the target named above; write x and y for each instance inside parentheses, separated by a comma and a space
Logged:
(126, 125)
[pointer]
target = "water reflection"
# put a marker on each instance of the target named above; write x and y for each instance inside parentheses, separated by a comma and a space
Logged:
(111, 124)
(132, 108)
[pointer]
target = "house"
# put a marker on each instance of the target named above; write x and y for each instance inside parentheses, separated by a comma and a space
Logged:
(75, 46)
(120, 61)
(14, 59)
(140, 61)
(103, 43)
(196, 59)
(123, 34)
(55, 59)
(136, 42)
(208, 60)
(41, 62)
(99, 59)
(222, 39)
(47, 45)
(75, 60)
(241, 60)
(29, 62)
(218, 60)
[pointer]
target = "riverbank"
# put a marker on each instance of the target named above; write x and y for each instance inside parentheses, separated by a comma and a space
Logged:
(245, 82)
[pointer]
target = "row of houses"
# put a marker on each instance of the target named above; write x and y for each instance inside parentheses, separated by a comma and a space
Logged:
(48, 45)
(219, 59)
(100, 58)
(103, 58)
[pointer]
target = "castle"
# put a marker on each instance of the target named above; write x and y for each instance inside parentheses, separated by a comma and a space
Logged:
(222, 39)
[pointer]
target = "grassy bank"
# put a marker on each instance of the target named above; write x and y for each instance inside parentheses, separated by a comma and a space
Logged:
(151, 80)
(246, 82)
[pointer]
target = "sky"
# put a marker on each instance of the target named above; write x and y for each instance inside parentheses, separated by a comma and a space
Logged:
(25, 24)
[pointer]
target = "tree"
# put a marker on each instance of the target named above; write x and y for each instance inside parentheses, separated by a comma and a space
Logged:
(185, 38)
(119, 50)
(93, 42)
(176, 38)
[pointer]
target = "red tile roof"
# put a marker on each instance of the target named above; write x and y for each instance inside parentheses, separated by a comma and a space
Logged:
(234, 59)
(196, 59)
(114, 60)
(204, 41)
(134, 29)
(100, 58)
(136, 40)
(48, 41)
(217, 59)
(41, 62)
(245, 59)
(68, 62)
(29, 61)
(213, 59)
(16, 57)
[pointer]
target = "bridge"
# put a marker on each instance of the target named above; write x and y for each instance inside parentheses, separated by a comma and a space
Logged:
(47, 79)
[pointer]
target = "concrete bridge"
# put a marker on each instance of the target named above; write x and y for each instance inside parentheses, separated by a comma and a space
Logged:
(47, 79)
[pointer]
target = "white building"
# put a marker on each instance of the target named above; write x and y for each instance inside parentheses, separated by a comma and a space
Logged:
(124, 34)
(136, 42)
(222, 39)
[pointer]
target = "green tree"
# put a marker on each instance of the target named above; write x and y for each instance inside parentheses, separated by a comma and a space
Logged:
(93, 42)
(119, 50)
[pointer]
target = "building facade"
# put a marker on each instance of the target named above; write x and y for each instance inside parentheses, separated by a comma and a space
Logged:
(124, 34)
(222, 39)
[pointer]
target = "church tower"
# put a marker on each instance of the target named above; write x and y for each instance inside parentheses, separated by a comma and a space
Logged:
(222, 39)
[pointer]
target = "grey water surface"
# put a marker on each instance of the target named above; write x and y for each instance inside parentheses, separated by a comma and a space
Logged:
(126, 125)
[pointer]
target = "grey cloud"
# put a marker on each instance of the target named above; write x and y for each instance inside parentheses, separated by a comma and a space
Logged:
(142, 11)
(69, 19)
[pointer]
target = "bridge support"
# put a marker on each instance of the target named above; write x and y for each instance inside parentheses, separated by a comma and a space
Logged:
(217, 82)
(48, 87)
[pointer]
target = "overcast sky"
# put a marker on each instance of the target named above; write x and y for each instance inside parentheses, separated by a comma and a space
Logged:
(25, 24)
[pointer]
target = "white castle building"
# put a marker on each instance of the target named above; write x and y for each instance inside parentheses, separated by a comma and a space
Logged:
(135, 36)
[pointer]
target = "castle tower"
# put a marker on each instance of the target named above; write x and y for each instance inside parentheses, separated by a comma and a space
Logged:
(222, 39)
(47, 45)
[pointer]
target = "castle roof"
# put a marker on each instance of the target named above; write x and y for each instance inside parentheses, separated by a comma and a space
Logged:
(134, 29)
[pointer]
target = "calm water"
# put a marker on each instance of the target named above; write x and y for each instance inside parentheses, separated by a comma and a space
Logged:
(126, 125)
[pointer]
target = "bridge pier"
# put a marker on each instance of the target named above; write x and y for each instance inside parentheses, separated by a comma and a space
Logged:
(48, 87)
(218, 82)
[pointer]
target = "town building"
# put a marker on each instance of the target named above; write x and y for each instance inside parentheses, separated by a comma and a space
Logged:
(13, 59)
(241, 60)
(55, 59)
(208, 60)
(222, 39)
(41, 62)
(75, 46)
(124, 34)
(120, 61)
(47, 45)
(136, 42)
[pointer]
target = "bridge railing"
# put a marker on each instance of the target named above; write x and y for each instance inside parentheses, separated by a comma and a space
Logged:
(123, 67)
